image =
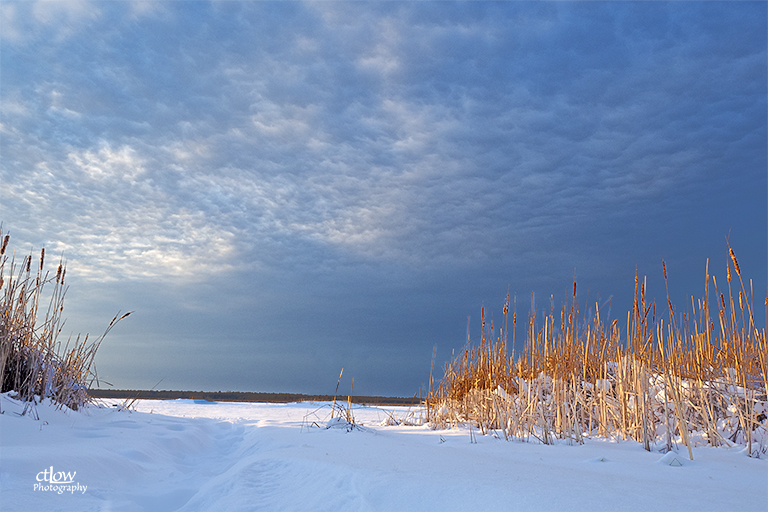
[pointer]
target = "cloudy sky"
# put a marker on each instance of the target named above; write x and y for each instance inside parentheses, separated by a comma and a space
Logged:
(280, 190)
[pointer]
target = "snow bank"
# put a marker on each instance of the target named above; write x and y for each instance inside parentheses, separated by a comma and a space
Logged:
(190, 456)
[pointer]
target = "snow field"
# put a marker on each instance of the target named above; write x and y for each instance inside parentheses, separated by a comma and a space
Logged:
(191, 456)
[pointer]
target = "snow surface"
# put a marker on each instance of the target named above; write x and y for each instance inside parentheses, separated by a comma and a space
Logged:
(204, 456)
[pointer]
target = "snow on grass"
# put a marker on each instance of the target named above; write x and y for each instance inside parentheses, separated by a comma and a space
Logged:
(203, 456)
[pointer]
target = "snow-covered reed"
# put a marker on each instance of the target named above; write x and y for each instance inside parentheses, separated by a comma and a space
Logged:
(657, 382)
(33, 362)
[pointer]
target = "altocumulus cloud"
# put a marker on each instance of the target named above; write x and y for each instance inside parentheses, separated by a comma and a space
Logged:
(379, 150)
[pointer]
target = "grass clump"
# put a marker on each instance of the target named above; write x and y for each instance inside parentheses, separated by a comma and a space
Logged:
(33, 362)
(700, 381)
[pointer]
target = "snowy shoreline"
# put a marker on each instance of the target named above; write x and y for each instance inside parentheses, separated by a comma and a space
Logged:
(195, 456)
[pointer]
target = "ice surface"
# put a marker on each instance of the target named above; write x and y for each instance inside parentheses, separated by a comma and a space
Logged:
(183, 455)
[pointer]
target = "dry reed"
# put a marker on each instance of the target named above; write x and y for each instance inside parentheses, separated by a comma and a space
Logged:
(658, 382)
(33, 362)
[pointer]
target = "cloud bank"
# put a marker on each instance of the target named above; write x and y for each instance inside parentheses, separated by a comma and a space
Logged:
(257, 144)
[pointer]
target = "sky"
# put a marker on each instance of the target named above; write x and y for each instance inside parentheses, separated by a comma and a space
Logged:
(282, 190)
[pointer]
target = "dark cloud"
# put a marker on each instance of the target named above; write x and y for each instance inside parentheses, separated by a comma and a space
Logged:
(305, 186)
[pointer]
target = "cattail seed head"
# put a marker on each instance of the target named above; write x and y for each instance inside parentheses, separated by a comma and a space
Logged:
(4, 245)
(42, 258)
(735, 263)
(664, 266)
(728, 274)
(29, 263)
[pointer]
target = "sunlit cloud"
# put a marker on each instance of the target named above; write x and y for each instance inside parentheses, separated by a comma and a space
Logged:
(260, 144)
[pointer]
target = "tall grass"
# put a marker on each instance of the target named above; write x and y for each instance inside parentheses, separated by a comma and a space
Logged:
(33, 362)
(660, 382)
